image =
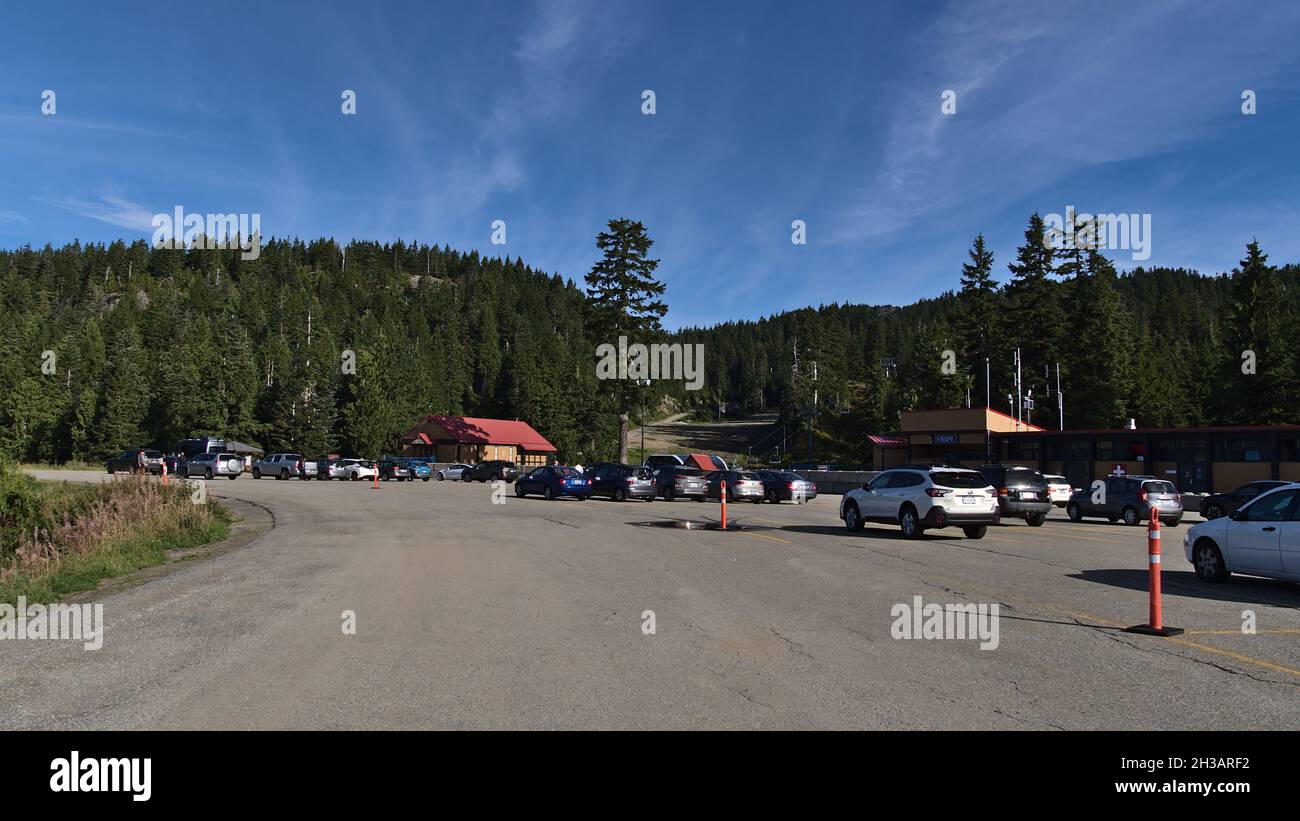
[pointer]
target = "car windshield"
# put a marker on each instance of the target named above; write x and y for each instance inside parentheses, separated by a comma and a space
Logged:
(747, 476)
(1025, 476)
(959, 479)
(792, 477)
(566, 472)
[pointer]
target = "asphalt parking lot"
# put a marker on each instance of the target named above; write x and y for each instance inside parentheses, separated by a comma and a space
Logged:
(530, 613)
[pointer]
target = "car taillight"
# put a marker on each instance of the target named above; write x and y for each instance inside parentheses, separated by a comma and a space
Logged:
(1142, 494)
(631, 480)
(789, 485)
(936, 492)
(1003, 491)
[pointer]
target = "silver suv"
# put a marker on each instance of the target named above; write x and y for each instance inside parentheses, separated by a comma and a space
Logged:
(209, 465)
(1130, 498)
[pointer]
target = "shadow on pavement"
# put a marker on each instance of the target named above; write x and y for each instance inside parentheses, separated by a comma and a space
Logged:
(1241, 589)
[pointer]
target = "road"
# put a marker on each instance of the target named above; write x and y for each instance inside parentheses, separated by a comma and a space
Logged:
(528, 614)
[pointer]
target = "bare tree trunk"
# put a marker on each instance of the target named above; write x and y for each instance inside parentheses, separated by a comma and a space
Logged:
(622, 438)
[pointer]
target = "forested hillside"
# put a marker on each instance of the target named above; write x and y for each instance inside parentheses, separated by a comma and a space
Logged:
(1163, 346)
(149, 346)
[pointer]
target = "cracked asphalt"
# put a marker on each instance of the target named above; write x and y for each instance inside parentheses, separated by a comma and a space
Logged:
(530, 615)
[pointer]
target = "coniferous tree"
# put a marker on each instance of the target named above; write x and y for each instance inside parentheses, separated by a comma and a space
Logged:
(1260, 356)
(623, 297)
(977, 323)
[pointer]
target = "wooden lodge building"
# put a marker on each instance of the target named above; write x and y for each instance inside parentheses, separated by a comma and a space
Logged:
(470, 440)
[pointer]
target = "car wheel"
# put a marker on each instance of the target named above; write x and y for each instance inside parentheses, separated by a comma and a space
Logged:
(910, 523)
(773, 498)
(1130, 516)
(549, 494)
(519, 490)
(976, 532)
(439, 477)
(257, 473)
(207, 474)
(759, 500)
(852, 516)
(620, 495)
(670, 495)
(1213, 511)
(699, 498)
(233, 477)
(355, 476)
(465, 477)
(1208, 562)
(424, 478)
(496, 477)
(1074, 512)
(582, 498)
(1036, 520)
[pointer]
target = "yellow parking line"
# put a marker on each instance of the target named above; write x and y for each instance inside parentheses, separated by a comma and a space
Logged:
(1267, 665)
(1281, 631)
(772, 521)
(762, 536)
(1244, 659)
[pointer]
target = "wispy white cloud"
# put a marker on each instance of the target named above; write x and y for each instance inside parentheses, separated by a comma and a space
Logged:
(1113, 93)
(8, 217)
(109, 208)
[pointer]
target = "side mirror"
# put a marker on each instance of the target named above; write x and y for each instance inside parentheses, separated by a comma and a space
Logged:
(867, 487)
(1236, 515)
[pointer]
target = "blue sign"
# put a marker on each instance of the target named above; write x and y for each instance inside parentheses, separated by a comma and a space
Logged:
(944, 438)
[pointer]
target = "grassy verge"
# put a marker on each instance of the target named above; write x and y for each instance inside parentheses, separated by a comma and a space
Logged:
(58, 538)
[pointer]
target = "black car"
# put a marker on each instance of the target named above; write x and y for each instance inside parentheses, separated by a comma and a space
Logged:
(1221, 504)
(680, 482)
(129, 461)
(1022, 492)
(491, 471)
(395, 467)
(786, 486)
(623, 482)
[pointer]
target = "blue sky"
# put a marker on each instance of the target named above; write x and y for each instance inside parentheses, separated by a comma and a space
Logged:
(530, 112)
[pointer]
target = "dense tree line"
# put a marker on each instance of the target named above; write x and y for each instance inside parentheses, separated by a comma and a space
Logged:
(1167, 347)
(311, 347)
(316, 347)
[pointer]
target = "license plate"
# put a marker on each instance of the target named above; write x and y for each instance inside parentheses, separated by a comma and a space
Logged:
(1028, 495)
(968, 500)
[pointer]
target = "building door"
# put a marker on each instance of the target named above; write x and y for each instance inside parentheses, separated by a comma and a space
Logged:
(1193, 459)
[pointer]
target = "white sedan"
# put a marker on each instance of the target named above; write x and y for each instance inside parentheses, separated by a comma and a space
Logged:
(452, 471)
(1058, 488)
(1261, 538)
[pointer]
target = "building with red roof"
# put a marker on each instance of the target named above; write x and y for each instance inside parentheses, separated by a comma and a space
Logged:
(470, 440)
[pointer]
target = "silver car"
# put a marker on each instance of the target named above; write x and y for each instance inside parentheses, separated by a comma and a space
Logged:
(279, 465)
(210, 465)
(451, 472)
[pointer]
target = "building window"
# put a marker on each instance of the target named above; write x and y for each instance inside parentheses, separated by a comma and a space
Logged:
(1242, 449)
(1290, 449)
(1023, 450)
(1068, 450)
(1105, 450)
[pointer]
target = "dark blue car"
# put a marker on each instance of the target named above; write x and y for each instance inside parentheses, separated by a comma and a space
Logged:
(553, 482)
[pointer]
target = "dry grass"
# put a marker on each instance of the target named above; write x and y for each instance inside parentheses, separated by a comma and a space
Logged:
(60, 538)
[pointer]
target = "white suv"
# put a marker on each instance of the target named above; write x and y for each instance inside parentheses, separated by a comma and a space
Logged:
(918, 499)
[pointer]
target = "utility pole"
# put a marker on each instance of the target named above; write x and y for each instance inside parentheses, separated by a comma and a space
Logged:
(988, 389)
(1060, 398)
(1018, 411)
